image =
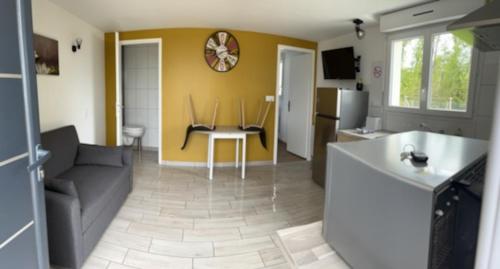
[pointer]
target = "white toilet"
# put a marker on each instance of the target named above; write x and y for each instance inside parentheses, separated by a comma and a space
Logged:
(132, 132)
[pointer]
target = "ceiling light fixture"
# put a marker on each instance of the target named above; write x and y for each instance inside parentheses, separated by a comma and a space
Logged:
(360, 33)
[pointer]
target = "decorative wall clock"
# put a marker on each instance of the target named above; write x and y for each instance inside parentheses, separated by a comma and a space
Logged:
(222, 51)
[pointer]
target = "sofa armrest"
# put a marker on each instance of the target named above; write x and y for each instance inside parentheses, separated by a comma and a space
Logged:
(128, 156)
(128, 162)
(64, 229)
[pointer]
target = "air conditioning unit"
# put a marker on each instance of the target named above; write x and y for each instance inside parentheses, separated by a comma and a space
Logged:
(430, 13)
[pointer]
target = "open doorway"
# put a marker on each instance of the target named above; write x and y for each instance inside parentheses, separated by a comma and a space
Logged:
(294, 98)
(138, 95)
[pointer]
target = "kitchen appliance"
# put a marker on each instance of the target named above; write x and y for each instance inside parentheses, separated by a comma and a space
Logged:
(373, 123)
(385, 211)
(484, 24)
(335, 109)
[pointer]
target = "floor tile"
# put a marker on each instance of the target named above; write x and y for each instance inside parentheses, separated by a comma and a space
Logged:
(176, 218)
(170, 222)
(182, 249)
(211, 234)
(233, 247)
(304, 247)
(218, 223)
(119, 266)
(109, 252)
(95, 263)
(244, 261)
(185, 213)
(254, 230)
(127, 240)
(155, 231)
(272, 256)
(146, 260)
(119, 224)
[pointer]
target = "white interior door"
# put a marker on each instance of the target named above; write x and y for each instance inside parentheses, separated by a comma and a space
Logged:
(299, 103)
(283, 100)
(119, 95)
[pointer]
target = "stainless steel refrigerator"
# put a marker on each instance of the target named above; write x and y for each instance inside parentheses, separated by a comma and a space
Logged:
(336, 109)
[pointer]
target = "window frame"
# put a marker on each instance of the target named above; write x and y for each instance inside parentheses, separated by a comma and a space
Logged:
(427, 33)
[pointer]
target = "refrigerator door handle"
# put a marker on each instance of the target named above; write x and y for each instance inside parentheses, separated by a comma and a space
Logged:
(288, 105)
(327, 116)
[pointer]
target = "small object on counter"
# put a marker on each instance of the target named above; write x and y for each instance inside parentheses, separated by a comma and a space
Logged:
(363, 130)
(419, 157)
(373, 123)
(359, 85)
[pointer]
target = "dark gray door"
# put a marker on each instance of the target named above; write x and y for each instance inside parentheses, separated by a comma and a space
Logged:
(23, 242)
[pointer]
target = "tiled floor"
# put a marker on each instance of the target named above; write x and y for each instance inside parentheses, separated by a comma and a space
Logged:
(284, 156)
(176, 218)
(305, 248)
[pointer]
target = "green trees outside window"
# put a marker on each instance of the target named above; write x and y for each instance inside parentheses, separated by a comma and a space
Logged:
(450, 73)
(411, 72)
(438, 72)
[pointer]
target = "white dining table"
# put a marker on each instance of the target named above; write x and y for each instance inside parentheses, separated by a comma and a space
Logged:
(227, 132)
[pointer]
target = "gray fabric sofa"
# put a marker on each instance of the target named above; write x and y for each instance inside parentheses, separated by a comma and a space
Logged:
(85, 186)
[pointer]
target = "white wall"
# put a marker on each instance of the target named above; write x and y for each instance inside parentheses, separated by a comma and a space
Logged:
(76, 96)
(140, 75)
(373, 51)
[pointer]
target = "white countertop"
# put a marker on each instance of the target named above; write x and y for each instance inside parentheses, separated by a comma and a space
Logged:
(448, 155)
(373, 135)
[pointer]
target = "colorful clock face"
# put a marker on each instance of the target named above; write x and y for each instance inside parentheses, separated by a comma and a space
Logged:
(222, 51)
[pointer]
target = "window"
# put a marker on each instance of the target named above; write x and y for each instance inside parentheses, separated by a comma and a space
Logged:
(430, 71)
(406, 75)
(450, 73)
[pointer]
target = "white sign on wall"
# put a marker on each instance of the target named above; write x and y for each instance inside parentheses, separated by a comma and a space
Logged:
(377, 83)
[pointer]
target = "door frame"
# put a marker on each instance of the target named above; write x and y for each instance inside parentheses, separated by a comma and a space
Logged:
(489, 230)
(119, 45)
(282, 48)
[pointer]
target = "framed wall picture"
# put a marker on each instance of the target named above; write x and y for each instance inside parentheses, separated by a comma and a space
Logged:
(46, 55)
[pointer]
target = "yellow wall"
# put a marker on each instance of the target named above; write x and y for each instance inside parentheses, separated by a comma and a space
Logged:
(186, 72)
(110, 82)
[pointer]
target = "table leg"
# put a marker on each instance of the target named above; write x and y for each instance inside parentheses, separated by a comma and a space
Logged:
(237, 151)
(139, 144)
(243, 156)
(208, 151)
(212, 145)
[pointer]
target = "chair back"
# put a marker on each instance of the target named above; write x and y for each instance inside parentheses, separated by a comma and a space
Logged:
(261, 115)
(242, 114)
(262, 120)
(214, 115)
(192, 113)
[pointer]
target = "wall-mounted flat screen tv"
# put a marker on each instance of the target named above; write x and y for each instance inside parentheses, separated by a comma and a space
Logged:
(339, 63)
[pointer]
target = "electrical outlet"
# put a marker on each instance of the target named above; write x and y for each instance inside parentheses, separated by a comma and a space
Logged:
(269, 98)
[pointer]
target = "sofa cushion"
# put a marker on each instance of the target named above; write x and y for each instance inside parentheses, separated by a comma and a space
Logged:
(96, 186)
(63, 144)
(99, 155)
(64, 186)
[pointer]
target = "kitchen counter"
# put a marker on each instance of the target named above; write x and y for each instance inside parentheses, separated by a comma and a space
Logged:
(349, 135)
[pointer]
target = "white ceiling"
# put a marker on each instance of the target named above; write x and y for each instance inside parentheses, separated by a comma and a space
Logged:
(307, 19)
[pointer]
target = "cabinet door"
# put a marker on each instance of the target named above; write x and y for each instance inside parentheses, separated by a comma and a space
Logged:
(341, 137)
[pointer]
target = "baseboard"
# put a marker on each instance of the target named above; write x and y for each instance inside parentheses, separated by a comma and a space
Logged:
(217, 164)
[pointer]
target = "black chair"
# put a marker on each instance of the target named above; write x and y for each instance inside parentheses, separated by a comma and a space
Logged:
(258, 126)
(195, 125)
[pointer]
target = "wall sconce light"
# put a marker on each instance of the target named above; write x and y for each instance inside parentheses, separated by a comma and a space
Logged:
(360, 33)
(77, 44)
